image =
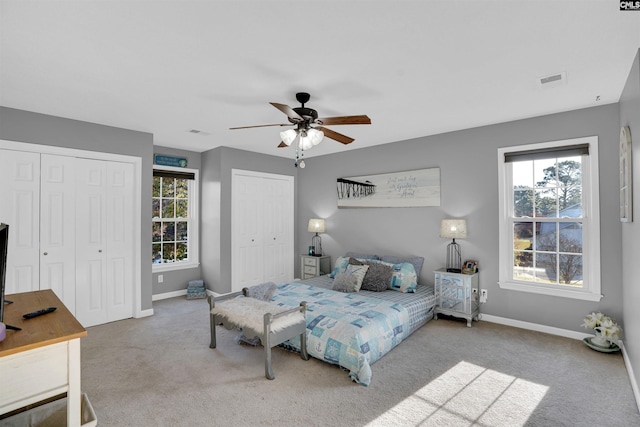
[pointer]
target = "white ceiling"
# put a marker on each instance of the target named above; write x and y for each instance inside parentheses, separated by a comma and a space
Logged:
(415, 67)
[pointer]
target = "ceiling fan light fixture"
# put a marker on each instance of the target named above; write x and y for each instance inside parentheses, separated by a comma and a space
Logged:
(315, 136)
(309, 138)
(305, 143)
(288, 136)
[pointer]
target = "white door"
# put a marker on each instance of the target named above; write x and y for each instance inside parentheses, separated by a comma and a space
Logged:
(247, 254)
(91, 242)
(120, 240)
(278, 229)
(74, 227)
(20, 208)
(104, 241)
(262, 228)
(57, 228)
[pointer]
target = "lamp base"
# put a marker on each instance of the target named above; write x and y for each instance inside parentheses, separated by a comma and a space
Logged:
(454, 263)
(316, 242)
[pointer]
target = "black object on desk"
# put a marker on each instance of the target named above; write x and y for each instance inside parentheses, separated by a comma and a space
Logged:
(38, 313)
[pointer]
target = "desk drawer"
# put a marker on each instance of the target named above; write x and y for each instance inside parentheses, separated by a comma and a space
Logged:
(29, 375)
(310, 270)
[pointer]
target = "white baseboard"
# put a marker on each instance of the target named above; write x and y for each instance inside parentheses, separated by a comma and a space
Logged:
(534, 327)
(144, 313)
(568, 334)
(167, 295)
(632, 377)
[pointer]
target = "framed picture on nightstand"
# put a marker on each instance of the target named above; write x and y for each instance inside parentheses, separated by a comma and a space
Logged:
(470, 267)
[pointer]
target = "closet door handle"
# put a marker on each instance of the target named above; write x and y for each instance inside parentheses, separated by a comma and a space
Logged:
(99, 251)
(46, 253)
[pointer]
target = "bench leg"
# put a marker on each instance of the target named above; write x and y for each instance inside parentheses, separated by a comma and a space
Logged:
(303, 346)
(212, 321)
(268, 371)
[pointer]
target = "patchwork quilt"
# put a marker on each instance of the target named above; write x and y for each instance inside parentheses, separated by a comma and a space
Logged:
(346, 329)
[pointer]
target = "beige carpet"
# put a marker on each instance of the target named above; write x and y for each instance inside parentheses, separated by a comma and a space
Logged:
(160, 371)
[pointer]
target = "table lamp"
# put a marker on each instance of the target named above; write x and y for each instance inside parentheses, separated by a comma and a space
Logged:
(453, 229)
(316, 226)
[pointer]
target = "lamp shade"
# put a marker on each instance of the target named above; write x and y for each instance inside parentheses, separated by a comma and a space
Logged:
(316, 226)
(288, 136)
(453, 228)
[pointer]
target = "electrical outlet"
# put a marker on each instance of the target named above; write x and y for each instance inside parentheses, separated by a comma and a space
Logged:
(483, 295)
(160, 278)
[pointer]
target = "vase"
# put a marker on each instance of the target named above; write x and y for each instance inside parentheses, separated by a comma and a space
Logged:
(600, 341)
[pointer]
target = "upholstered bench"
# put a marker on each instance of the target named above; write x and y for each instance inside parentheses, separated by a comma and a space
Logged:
(271, 323)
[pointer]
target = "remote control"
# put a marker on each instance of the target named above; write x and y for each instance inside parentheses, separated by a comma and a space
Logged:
(39, 313)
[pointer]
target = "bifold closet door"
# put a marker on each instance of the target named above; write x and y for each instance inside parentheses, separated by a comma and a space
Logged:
(278, 225)
(91, 243)
(262, 229)
(104, 241)
(58, 228)
(20, 208)
(247, 219)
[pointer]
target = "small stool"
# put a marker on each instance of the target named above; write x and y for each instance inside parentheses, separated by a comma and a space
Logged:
(269, 322)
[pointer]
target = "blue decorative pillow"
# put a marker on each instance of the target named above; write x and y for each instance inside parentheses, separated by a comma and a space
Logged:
(404, 278)
(339, 266)
(416, 261)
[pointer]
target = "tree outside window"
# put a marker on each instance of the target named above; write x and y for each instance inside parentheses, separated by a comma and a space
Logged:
(170, 233)
(547, 221)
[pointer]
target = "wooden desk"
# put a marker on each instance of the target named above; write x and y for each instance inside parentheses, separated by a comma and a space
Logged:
(43, 359)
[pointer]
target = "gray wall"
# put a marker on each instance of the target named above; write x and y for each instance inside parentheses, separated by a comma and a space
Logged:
(630, 116)
(26, 126)
(176, 280)
(468, 165)
(216, 207)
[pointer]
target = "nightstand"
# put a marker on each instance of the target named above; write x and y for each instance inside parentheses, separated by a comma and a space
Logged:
(313, 266)
(457, 295)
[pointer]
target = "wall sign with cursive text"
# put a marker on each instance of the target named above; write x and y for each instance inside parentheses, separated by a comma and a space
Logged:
(397, 189)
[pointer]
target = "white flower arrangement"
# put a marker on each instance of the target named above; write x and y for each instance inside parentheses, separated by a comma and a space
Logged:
(604, 326)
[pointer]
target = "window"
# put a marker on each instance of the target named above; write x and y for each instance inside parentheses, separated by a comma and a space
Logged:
(174, 218)
(549, 229)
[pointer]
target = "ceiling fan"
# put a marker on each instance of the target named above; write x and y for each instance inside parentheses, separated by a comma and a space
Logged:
(308, 129)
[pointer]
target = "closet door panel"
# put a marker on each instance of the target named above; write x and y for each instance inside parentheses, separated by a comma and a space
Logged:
(57, 228)
(278, 220)
(119, 238)
(20, 208)
(247, 232)
(91, 244)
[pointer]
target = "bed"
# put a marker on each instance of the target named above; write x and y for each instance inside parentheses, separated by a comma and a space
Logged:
(355, 329)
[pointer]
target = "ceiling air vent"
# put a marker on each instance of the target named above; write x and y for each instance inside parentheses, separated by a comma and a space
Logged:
(552, 80)
(198, 132)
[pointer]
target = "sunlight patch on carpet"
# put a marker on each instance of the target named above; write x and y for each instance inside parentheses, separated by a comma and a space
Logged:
(468, 394)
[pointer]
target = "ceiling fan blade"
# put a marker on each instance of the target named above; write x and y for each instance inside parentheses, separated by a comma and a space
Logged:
(282, 145)
(346, 120)
(336, 136)
(287, 110)
(261, 126)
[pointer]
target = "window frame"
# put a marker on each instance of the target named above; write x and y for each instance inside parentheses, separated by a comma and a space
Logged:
(193, 222)
(591, 289)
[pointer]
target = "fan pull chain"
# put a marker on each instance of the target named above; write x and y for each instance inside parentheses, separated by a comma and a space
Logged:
(301, 163)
